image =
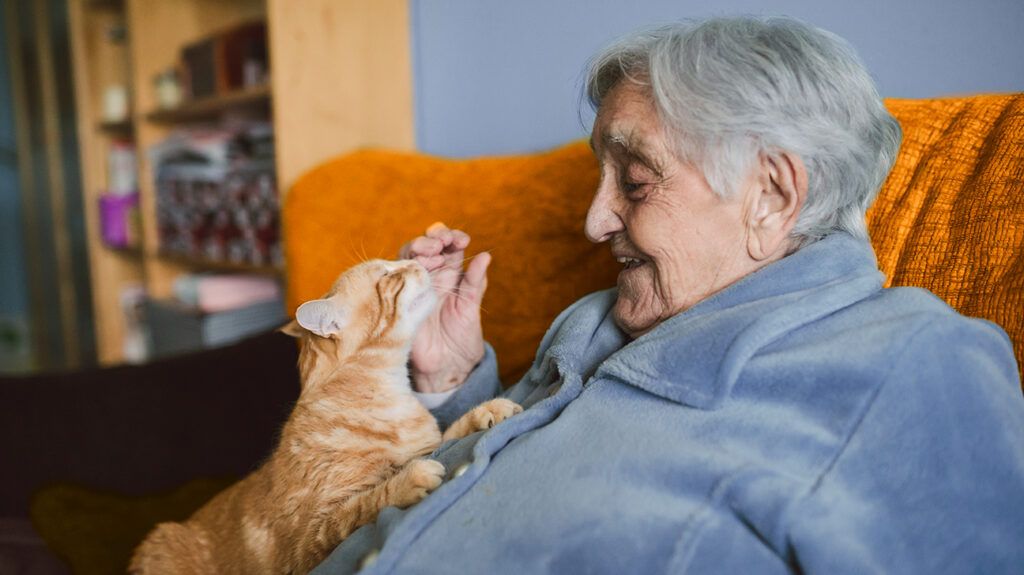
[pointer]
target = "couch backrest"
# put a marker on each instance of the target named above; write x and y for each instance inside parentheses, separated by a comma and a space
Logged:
(950, 218)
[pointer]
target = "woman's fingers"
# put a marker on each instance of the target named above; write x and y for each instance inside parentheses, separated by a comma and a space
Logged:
(408, 251)
(474, 282)
(442, 248)
(437, 239)
(460, 240)
(430, 262)
(452, 240)
(438, 230)
(424, 246)
(426, 251)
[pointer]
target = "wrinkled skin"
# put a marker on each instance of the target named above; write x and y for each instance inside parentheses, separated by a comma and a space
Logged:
(450, 343)
(678, 241)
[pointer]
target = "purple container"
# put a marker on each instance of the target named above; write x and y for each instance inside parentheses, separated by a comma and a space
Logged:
(116, 215)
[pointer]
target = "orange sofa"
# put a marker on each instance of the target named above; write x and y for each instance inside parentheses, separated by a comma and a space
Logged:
(950, 218)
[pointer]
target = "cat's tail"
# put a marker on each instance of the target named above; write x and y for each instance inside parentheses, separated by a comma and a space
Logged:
(172, 548)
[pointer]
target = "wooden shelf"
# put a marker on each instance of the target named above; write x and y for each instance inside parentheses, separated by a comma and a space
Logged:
(121, 128)
(105, 4)
(212, 107)
(214, 265)
(343, 87)
(128, 252)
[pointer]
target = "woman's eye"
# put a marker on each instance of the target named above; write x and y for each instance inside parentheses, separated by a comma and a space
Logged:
(632, 188)
(636, 179)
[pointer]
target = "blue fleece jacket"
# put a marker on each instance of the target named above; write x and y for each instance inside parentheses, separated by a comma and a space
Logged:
(802, 420)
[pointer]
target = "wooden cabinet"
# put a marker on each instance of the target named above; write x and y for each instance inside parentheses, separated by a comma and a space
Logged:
(100, 56)
(340, 79)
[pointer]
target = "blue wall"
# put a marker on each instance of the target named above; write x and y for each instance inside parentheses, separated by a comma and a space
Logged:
(500, 76)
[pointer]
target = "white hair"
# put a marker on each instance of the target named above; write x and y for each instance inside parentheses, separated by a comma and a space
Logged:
(730, 89)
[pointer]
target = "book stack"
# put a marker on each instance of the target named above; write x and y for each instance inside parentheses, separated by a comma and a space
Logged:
(211, 310)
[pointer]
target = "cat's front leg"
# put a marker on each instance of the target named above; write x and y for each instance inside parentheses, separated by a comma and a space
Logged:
(407, 487)
(484, 416)
(413, 482)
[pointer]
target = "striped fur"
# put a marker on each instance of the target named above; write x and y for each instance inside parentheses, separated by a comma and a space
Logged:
(352, 445)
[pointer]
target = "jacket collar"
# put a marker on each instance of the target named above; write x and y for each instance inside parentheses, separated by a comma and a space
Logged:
(696, 357)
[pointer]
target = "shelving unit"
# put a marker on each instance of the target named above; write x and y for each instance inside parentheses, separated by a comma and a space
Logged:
(105, 4)
(340, 79)
(99, 62)
(117, 127)
(223, 266)
(212, 107)
(158, 31)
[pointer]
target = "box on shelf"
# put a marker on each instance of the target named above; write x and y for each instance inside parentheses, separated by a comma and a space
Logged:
(122, 168)
(215, 292)
(232, 60)
(119, 204)
(119, 220)
(176, 328)
(134, 347)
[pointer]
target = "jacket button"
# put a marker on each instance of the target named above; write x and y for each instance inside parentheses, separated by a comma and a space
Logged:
(369, 559)
(458, 471)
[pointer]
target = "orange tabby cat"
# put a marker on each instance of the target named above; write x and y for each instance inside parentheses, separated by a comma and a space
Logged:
(349, 448)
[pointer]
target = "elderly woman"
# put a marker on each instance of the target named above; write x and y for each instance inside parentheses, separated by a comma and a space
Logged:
(748, 399)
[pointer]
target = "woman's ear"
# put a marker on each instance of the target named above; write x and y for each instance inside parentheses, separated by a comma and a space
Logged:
(779, 197)
(322, 317)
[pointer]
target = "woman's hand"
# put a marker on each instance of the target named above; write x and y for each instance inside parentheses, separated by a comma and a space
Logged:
(450, 342)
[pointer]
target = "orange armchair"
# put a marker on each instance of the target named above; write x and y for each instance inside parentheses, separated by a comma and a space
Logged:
(950, 218)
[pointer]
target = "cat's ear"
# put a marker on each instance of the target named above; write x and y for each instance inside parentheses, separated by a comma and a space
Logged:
(322, 317)
(292, 329)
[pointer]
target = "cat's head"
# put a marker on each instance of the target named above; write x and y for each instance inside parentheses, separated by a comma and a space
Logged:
(374, 299)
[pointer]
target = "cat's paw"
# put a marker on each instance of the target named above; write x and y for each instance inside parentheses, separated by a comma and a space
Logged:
(487, 415)
(416, 480)
(482, 417)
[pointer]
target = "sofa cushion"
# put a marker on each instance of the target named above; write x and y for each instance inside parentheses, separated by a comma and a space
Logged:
(950, 218)
(96, 532)
(137, 429)
(528, 211)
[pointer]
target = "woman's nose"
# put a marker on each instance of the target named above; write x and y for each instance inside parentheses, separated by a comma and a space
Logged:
(603, 220)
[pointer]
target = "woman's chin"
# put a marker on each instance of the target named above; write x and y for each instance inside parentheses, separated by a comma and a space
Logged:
(631, 318)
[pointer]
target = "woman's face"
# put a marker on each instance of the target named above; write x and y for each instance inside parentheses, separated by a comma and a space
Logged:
(678, 241)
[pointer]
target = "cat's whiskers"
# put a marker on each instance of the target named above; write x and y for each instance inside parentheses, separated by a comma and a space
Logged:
(455, 266)
(454, 292)
(353, 254)
(467, 258)
(362, 248)
(358, 254)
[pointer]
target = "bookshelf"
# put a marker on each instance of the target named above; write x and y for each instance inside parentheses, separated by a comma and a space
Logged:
(101, 61)
(123, 128)
(340, 79)
(212, 107)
